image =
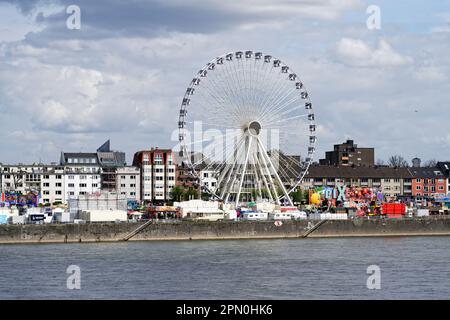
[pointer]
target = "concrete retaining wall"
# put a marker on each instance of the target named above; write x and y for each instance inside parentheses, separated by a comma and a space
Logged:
(219, 230)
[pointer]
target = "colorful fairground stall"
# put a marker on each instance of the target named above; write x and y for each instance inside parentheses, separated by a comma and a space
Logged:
(355, 201)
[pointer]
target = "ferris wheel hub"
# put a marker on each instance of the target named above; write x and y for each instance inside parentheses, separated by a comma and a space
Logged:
(253, 128)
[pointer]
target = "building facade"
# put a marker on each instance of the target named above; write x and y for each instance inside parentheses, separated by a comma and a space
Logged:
(129, 183)
(349, 154)
(157, 174)
(429, 182)
(392, 182)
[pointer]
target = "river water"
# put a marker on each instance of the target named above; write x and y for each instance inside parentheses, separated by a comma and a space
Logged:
(410, 268)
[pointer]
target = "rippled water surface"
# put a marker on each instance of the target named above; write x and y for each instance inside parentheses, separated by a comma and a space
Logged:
(411, 268)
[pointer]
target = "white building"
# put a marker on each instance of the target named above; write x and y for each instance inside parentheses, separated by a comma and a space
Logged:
(82, 174)
(208, 179)
(129, 182)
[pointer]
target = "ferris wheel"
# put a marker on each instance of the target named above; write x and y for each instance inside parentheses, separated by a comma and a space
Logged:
(247, 128)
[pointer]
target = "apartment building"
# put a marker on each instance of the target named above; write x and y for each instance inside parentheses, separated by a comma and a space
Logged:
(158, 174)
(45, 180)
(392, 182)
(129, 182)
(429, 182)
(349, 154)
(444, 167)
(82, 173)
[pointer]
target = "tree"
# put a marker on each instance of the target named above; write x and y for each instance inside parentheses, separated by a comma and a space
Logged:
(297, 196)
(430, 163)
(177, 193)
(191, 193)
(255, 194)
(397, 161)
(380, 162)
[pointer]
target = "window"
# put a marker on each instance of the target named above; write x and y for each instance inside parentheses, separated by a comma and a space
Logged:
(122, 185)
(133, 177)
(170, 178)
(71, 193)
(132, 185)
(418, 180)
(83, 185)
(46, 184)
(46, 177)
(95, 185)
(205, 174)
(83, 177)
(46, 192)
(159, 178)
(58, 177)
(59, 184)
(71, 177)
(71, 185)
(158, 159)
(418, 188)
(58, 192)
(132, 193)
(122, 177)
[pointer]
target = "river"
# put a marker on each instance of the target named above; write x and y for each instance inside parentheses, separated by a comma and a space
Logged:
(410, 268)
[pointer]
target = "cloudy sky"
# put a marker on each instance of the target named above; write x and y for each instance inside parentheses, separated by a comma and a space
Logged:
(123, 74)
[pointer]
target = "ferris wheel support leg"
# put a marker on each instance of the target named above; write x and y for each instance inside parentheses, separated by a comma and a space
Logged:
(258, 180)
(258, 165)
(243, 170)
(269, 175)
(234, 177)
(275, 173)
(228, 175)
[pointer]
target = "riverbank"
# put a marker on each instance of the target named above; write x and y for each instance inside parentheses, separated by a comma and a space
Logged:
(190, 230)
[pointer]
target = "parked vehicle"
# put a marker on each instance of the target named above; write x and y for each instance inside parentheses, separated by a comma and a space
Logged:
(254, 216)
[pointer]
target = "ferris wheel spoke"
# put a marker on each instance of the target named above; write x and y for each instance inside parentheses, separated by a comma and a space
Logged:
(287, 119)
(216, 101)
(282, 103)
(237, 83)
(276, 88)
(223, 87)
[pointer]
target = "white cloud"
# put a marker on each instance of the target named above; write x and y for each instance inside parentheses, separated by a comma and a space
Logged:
(355, 52)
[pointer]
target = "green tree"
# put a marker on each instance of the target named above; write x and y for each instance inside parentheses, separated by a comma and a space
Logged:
(191, 193)
(177, 193)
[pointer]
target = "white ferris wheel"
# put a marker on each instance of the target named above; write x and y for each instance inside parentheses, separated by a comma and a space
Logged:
(247, 128)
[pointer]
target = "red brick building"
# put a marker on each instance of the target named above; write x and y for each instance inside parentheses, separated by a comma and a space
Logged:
(428, 182)
(158, 174)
